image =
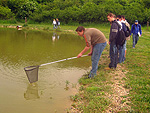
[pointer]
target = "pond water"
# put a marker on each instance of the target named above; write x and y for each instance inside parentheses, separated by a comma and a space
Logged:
(56, 82)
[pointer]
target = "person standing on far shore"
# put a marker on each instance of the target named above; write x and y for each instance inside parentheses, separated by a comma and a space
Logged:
(57, 23)
(25, 20)
(54, 24)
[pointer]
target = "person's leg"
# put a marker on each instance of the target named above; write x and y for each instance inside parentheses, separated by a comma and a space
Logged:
(120, 54)
(113, 56)
(54, 26)
(124, 51)
(97, 51)
(116, 56)
(134, 39)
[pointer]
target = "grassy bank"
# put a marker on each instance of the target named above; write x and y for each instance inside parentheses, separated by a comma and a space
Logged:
(95, 95)
(138, 77)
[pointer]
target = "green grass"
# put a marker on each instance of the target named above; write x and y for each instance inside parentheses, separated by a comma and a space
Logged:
(92, 96)
(138, 64)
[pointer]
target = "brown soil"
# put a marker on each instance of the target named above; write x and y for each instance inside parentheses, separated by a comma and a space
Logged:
(119, 97)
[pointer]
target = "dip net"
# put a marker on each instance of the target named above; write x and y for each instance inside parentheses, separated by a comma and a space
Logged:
(32, 73)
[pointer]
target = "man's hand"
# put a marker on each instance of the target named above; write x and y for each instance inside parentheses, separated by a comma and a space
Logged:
(79, 55)
(90, 54)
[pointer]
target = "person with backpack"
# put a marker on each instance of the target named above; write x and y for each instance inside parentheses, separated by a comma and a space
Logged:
(128, 31)
(136, 31)
(121, 48)
(57, 23)
(113, 52)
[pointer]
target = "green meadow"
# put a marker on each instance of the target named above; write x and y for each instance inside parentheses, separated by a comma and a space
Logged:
(93, 95)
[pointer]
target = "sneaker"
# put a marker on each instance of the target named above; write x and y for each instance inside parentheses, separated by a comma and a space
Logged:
(108, 68)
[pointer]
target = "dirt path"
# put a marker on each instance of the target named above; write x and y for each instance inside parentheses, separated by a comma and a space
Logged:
(119, 97)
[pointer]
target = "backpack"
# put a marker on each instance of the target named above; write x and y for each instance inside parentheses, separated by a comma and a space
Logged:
(120, 38)
(127, 32)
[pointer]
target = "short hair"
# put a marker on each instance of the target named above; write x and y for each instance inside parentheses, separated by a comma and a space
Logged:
(112, 15)
(122, 16)
(80, 28)
(119, 16)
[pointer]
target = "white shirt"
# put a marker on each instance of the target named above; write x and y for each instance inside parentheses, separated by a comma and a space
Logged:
(54, 22)
(120, 23)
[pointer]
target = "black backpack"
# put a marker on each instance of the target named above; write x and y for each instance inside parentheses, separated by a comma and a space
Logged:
(120, 38)
(127, 32)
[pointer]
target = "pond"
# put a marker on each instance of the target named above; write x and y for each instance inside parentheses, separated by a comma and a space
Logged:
(56, 82)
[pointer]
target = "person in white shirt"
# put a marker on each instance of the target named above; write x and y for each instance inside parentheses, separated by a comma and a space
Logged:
(54, 23)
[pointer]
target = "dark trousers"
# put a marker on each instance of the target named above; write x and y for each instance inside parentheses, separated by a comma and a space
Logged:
(113, 55)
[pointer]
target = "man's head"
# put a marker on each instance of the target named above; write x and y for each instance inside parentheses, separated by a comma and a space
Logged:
(111, 17)
(136, 21)
(80, 30)
(123, 17)
(119, 18)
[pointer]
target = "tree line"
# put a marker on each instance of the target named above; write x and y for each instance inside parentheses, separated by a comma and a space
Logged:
(69, 11)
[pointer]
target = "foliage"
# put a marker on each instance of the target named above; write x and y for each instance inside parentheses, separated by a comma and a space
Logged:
(5, 13)
(27, 8)
(80, 11)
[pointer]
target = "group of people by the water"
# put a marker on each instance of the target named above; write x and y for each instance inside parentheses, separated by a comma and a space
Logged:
(56, 23)
(96, 41)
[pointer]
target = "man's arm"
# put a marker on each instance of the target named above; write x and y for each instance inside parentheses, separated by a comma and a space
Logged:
(113, 32)
(83, 51)
(90, 53)
(140, 30)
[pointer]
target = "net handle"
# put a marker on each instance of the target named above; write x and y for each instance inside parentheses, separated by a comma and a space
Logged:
(61, 60)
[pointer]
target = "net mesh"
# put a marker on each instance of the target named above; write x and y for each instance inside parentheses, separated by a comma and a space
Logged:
(32, 73)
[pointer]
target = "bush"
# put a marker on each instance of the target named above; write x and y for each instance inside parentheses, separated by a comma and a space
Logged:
(5, 13)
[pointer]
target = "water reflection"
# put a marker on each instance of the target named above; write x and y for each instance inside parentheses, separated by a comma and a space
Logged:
(32, 92)
(25, 34)
(55, 36)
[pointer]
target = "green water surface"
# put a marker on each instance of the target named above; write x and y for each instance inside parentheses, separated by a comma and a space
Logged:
(51, 94)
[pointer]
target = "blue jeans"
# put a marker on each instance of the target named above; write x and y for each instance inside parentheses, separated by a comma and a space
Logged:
(54, 26)
(113, 55)
(122, 52)
(135, 39)
(96, 54)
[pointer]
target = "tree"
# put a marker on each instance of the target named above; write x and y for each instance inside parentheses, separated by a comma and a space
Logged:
(14, 5)
(146, 3)
(135, 12)
(76, 10)
(27, 8)
(5, 13)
